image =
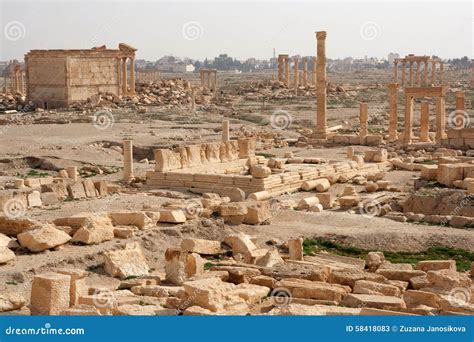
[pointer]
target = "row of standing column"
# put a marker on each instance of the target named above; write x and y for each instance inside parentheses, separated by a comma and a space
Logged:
(126, 86)
(415, 75)
(284, 71)
(209, 79)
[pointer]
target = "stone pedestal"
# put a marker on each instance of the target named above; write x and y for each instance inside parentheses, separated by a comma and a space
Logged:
(127, 161)
(460, 103)
(425, 122)
(72, 172)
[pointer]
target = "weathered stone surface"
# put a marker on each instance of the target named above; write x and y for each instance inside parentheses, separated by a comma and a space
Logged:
(200, 246)
(294, 309)
(5, 241)
(238, 274)
(81, 310)
(131, 218)
(415, 298)
(10, 301)
(270, 259)
(233, 209)
(373, 260)
(34, 199)
(49, 294)
(92, 227)
(126, 263)
(350, 276)
(172, 216)
(446, 280)
(43, 238)
(400, 274)
(240, 243)
(260, 171)
(76, 191)
(263, 280)
(373, 301)
(434, 265)
(15, 226)
(371, 287)
(258, 213)
(295, 247)
(301, 288)
(77, 286)
(175, 265)
(300, 270)
(6, 255)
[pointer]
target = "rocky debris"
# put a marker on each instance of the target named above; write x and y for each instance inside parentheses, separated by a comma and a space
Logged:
(9, 302)
(6, 255)
(42, 238)
(129, 262)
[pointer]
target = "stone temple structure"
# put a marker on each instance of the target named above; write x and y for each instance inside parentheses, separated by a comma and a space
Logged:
(57, 78)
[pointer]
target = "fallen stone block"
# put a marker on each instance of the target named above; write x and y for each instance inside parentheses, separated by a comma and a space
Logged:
(414, 298)
(6, 255)
(34, 199)
(446, 280)
(373, 260)
(435, 265)
(349, 277)
(45, 237)
(15, 226)
(373, 301)
(320, 185)
(200, 246)
(5, 241)
(126, 263)
(76, 191)
(89, 188)
(258, 213)
(375, 288)
(300, 288)
(399, 274)
(81, 310)
(175, 265)
(260, 171)
(295, 247)
(172, 216)
(297, 270)
(50, 294)
(326, 200)
(9, 302)
(240, 243)
(306, 203)
(131, 218)
(270, 259)
(77, 286)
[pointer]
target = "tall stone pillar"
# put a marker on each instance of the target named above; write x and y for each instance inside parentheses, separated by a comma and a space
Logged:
(404, 69)
(363, 119)
(407, 133)
(305, 72)
(314, 71)
(321, 123)
(440, 118)
(395, 71)
(225, 130)
(393, 119)
(132, 75)
(441, 73)
(280, 68)
(433, 72)
(425, 122)
(215, 80)
(287, 71)
(201, 74)
(193, 98)
(411, 74)
(418, 73)
(472, 73)
(460, 103)
(124, 75)
(296, 70)
(425, 73)
(127, 160)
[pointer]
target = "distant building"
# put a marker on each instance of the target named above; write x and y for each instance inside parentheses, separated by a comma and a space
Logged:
(174, 64)
(392, 56)
(57, 78)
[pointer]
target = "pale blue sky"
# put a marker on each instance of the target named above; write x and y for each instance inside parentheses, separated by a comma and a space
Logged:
(241, 29)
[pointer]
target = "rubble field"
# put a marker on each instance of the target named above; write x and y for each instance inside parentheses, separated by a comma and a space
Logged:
(184, 200)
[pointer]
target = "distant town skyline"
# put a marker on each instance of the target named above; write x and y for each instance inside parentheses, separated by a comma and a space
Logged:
(240, 29)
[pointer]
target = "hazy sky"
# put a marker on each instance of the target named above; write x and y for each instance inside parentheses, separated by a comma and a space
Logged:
(241, 29)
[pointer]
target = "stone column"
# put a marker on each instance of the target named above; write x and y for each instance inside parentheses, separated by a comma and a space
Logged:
(350, 152)
(363, 118)
(193, 98)
(441, 73)
(321, 124)
(296, 79)
(418, 73)
(404, 69)
(407, 133)
(305, 72)
(287, 72)
(425, 122)
(127, 160)
(201, 74)
(440, 118)
(433, 72)
(393, 119)
(460, 103)
(124, 75)
(411, 74)
(472, 73)
(132, 75)
(215, 80)
(208, 79)
(395, 71)
(314, 71)
(225, 130)
(72, 172)
(280, 68)
(425, 73)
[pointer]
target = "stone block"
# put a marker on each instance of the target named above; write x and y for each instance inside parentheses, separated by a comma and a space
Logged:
(200, 246)
(42, 238)
(172, 216)
(50, 294)
(34, 199)
(448, 173)
(295, 247)
(373, 301)
(6, 255)
(131, 218)
(435, 265)
(326, 200)
(258, 213)
(126, 263)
